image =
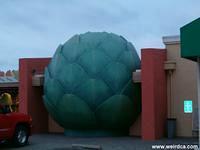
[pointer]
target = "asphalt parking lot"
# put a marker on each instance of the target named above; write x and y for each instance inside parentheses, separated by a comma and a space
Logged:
(61, 142)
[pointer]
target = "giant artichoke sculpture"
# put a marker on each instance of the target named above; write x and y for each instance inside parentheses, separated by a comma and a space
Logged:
(88, 83)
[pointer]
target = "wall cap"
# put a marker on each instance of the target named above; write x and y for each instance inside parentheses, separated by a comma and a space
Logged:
(136, 76)
(168, 40)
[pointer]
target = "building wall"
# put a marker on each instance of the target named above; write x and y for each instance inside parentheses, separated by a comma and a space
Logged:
(135, 129)
(30, 97)
(53, 127)
(184, 86)
(154, 94)
(31, 101)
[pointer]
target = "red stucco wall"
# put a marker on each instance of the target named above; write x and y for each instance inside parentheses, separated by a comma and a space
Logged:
(30, 98)
(154, 93)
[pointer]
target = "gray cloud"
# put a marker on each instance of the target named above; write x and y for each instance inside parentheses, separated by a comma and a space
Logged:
(36, 28)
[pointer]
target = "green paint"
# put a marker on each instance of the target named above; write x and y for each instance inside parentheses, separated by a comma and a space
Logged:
(188, 107)
(88, 83)
(190, 40)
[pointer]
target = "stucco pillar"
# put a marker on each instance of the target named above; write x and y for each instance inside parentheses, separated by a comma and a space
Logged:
(154, 94)
(30, 97)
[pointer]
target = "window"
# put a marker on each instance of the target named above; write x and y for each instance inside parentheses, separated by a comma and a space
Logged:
(188, 106)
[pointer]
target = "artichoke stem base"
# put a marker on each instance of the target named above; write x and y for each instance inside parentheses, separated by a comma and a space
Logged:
(95, 133)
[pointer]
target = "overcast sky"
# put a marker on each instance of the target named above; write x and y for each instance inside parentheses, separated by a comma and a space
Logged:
(34, 28)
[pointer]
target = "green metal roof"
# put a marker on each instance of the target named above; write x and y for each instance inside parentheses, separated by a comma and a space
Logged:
(190, 40)
(8, 81)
